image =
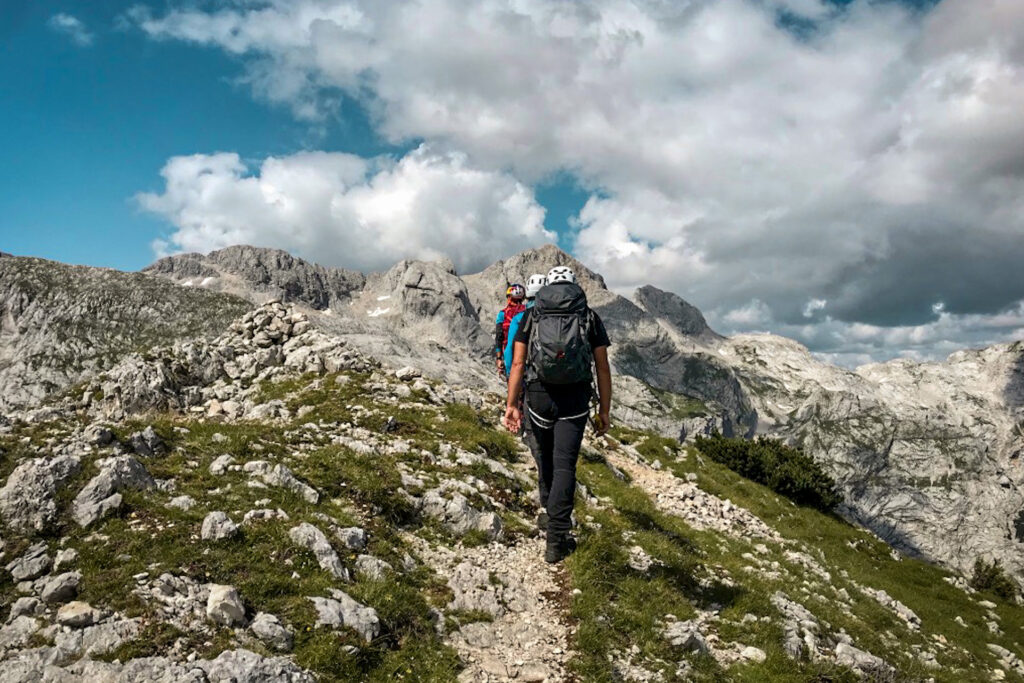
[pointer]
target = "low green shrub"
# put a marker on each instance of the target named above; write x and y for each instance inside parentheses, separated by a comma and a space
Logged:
(785, 470)
(991, 577)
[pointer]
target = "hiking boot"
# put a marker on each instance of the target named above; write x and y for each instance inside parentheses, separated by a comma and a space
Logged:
(559, 547)
(542, 521)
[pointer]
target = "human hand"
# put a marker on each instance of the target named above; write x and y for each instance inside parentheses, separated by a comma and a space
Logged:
(603, 423)
(513, 419)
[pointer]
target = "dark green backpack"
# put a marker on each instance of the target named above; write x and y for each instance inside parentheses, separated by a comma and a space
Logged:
(559, 350)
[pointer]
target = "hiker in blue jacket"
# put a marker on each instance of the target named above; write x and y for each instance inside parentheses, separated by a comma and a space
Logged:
(533, 285)
(558, 346)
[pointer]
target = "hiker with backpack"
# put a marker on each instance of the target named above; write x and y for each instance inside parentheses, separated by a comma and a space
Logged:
(533, 285)
(514, 305)
(558, 345)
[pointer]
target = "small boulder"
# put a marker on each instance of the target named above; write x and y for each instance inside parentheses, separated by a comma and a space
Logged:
(408, 373)
(65, 557)
(32, 564)
(24, 606)
(269, 629)
(372, 568)
(61, 588)
(28, 500)
(217, 526)
(220, 465)
(352, 538)
(78, 614)
(147, 443)
(860, 661)
(687, 636)
(311, 538)
(182, 502)
(98, 435)
(224, 606)
(100, 496)
(753, 654)
(342, 610)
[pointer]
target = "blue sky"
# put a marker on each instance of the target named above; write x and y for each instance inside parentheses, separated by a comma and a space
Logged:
(845, 172)
(86, 127)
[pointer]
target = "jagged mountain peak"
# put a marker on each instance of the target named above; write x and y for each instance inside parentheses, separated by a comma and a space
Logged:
(675, 311)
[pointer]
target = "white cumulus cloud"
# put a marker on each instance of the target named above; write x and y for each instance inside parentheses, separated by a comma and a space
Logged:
(342, 209)
(72, 27)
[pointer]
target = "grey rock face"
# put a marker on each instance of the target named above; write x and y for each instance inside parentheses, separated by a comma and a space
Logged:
(27, 500)
(100, 496)
(261, 274)
(311, 538)
(921, 451)
(217, 526)
(340, 610)
(673, 311)
(424, 301)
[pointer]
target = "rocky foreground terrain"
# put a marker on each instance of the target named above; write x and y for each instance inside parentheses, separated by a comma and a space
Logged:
(316, 488)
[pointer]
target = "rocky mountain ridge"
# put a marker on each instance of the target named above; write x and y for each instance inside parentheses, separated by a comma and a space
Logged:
(927, 455)
(60, 324)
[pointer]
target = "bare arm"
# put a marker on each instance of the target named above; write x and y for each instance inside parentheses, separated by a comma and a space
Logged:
(604, 385)
(513, 418)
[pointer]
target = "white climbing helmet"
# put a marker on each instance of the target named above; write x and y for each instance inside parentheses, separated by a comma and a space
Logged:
(560, 274)
(534, 284)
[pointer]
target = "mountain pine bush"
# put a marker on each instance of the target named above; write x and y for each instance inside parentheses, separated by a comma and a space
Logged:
(991, 577)
(785, 470)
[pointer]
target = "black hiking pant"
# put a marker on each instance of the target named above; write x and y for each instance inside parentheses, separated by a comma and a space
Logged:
(557, 418)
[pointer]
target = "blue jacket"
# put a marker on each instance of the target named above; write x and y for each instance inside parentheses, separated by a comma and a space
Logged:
(513, 327)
